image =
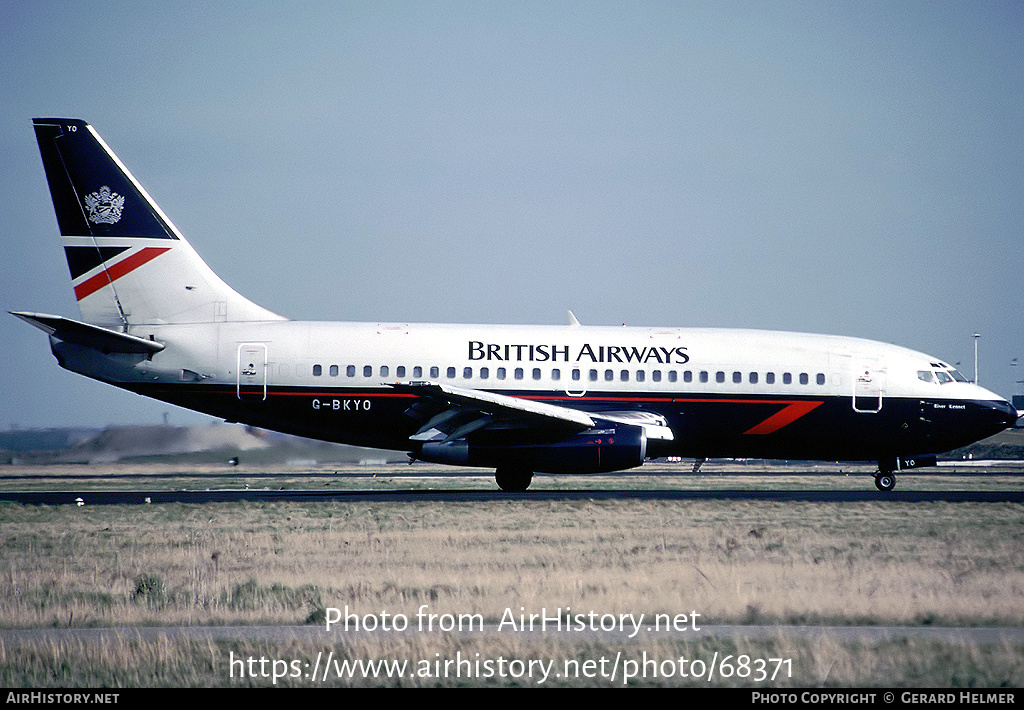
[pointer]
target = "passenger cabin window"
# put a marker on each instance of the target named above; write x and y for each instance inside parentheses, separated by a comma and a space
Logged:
(787, 379)
(450, 372)
(435, 371)
(317, 370)
(803, 378)
(820, 378)
(367, 370)
(417, 371)
(334, 371)
(400, 371)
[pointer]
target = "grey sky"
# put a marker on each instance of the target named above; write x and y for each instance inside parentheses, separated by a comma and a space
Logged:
(852, 168)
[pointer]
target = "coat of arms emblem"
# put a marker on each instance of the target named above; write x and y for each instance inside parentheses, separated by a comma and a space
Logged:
(104, 206)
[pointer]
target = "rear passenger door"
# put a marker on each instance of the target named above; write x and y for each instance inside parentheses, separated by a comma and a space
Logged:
(252, 371)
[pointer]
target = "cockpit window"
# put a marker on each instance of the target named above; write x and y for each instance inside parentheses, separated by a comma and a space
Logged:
(942, 377)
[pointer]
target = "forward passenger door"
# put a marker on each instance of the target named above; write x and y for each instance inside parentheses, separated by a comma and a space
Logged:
(868, 374)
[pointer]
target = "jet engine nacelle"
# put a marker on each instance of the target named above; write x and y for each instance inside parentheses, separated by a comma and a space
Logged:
(608, 446)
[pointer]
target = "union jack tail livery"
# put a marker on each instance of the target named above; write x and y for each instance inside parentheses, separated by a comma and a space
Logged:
(129, 264)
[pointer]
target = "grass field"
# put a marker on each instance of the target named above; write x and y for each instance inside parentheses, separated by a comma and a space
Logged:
(733, 562)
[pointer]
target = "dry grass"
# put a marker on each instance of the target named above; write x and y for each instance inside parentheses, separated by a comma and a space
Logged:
(733, 562)
(124, 661)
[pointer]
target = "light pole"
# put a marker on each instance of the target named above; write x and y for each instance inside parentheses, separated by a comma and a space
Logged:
(976, 336)
(1017, 399)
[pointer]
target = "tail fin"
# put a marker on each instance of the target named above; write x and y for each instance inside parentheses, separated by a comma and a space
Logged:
(129, 264)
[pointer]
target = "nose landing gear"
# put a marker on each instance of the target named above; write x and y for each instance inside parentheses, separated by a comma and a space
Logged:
(885, 480)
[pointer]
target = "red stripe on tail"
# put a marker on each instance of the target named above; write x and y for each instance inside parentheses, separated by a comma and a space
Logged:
(122, 268)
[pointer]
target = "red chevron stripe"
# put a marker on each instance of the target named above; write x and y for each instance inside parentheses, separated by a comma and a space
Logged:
(785, 417)
(116, 271)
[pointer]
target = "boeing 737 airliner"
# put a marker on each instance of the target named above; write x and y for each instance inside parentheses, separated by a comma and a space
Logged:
(157, 321)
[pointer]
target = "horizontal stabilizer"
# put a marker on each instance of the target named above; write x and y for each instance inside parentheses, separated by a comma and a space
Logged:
(72, 331)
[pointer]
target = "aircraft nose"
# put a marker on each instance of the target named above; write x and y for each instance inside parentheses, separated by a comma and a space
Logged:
(1007, 410)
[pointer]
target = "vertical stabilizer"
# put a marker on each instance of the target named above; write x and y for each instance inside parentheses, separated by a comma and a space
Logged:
(129, 264)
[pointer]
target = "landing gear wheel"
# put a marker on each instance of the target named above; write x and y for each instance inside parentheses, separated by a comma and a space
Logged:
(513, 479)
(885, 480)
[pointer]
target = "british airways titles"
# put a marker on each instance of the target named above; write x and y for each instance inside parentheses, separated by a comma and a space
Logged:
(508, 352)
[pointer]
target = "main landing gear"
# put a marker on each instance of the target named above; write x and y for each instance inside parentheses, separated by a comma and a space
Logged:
(513, 478)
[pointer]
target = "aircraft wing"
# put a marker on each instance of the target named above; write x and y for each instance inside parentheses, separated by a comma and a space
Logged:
(461, 411)
(464, 410)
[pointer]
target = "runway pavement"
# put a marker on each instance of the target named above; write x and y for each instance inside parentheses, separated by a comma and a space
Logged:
(142, 497)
